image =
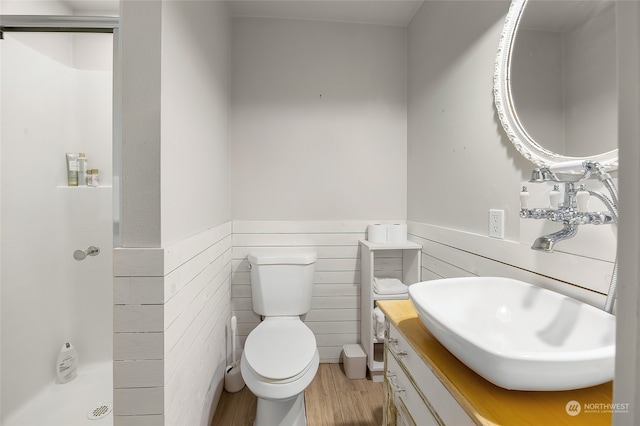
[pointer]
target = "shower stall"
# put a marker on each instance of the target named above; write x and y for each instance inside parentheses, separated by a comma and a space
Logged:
(56, 97)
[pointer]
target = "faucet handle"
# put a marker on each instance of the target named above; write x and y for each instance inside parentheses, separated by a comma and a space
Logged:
(554, 197)
(582, 198)
(82, 254)
(524, 198)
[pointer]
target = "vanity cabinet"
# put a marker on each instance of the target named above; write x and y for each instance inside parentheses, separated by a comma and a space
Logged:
(424, 384)
(389, 260)
(415, 395)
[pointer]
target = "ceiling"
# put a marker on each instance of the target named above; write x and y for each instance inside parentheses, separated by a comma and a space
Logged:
(99, 7)
(562, 16)
(386, 12)
(390, 12)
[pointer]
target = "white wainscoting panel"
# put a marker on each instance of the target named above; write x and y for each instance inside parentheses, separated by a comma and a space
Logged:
(171, 314)
(448, 253)
(172, 305)
(335, 309)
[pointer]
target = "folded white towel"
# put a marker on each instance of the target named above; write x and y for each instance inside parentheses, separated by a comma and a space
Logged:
(388, 286)
(378, 324)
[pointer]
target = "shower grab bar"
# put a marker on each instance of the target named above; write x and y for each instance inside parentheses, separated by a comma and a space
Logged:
(82, 254)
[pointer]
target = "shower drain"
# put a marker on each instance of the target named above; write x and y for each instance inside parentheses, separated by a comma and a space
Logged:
(101, 410)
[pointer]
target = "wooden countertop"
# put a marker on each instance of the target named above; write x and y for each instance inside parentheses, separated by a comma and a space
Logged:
(486, 403)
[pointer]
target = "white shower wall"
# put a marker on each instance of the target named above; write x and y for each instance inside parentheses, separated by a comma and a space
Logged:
(48, 298)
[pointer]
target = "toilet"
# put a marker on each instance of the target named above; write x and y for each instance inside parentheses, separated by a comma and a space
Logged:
(280, 357)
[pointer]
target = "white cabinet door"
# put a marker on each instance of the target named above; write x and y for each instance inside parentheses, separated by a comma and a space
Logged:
(442, 404)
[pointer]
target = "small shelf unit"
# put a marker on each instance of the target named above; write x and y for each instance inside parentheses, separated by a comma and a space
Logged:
(411, 264)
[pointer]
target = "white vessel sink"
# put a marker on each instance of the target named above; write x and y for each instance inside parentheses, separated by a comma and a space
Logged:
(517, 335)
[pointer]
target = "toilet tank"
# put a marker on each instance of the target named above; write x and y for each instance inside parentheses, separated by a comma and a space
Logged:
(281, 281)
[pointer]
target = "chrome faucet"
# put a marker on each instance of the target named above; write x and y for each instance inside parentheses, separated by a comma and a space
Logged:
(547, 242)
(568, 213)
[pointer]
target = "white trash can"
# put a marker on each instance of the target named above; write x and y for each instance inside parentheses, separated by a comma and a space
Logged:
(355, 361)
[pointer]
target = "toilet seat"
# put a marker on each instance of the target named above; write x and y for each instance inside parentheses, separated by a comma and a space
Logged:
(280, 349)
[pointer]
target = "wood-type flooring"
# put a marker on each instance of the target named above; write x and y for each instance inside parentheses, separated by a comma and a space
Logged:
(331, 399)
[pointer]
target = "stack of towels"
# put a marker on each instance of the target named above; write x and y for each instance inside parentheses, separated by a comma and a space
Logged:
(389, 286)
(385, 286)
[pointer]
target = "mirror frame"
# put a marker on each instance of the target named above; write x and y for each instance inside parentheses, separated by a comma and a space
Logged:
(507, 114)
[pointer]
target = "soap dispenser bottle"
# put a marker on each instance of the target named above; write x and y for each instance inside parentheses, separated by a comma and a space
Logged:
(67, 367)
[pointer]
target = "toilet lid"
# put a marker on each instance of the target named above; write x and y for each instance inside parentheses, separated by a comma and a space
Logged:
(280, 348)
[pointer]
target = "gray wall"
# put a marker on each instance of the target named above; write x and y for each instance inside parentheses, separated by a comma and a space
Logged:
(195, 99)
(175, 144)
(318, 120)
(460, 164)
(626, 387)
(172, 275)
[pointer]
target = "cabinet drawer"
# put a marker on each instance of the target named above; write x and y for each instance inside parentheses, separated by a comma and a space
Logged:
(411, 407)
(444, 404)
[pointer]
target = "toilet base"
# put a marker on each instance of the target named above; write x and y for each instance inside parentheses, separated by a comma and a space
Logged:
(288, 412)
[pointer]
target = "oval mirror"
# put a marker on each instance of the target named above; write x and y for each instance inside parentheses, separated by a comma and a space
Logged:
(555, 83)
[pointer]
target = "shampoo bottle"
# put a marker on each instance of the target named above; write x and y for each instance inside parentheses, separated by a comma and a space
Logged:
(82, 169)
(95, 178)
(67, 368)
(72, 169)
